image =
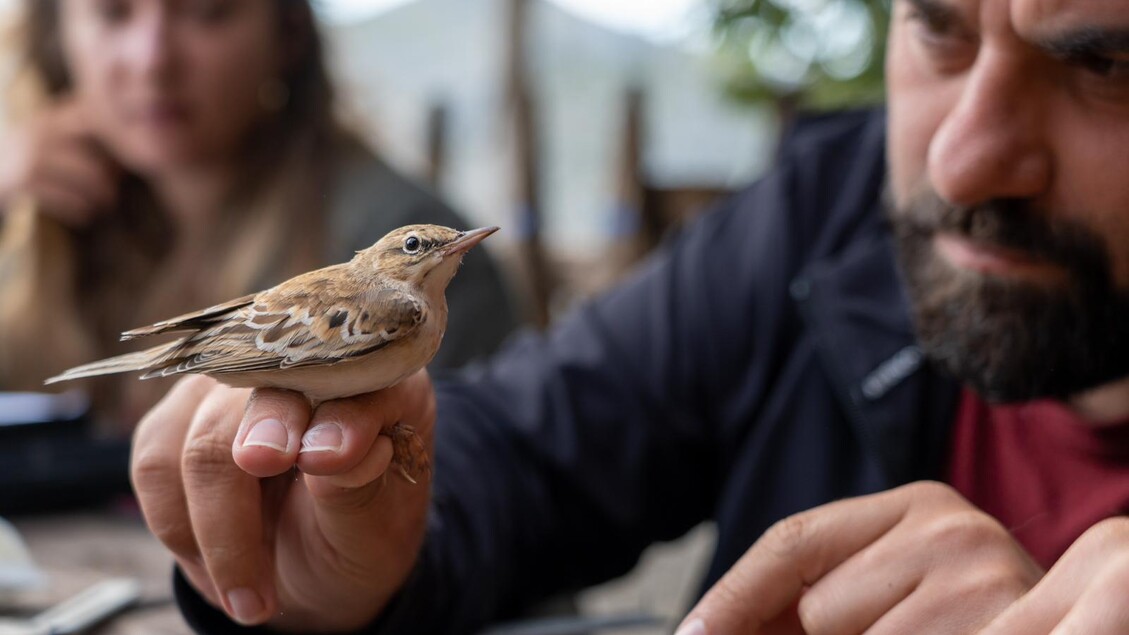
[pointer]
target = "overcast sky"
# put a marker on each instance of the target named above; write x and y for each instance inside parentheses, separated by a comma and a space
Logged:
(659, 19)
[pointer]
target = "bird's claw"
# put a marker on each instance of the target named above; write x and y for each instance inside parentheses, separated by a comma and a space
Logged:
(409, 454)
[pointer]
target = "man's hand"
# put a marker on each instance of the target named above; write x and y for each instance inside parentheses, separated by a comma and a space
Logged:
(917, 559)
(323, 546)
(1086, 591)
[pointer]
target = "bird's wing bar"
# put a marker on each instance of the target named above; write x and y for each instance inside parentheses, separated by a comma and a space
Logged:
(309, 331)
(356, 326)
(192, 321)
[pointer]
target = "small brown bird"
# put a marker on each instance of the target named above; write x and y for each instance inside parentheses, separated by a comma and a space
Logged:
(335, 332)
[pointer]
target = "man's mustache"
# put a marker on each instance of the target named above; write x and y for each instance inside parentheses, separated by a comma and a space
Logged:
(1009, 223)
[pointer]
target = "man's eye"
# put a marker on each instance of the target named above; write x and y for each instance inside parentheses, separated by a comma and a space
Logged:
(931, 23)
(945, 40)
(1104, 67)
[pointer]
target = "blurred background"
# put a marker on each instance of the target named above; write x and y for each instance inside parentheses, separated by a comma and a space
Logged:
(587, 130)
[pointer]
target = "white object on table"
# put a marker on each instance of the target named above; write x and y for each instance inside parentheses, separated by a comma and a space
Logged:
(80, 612)
(17, 570)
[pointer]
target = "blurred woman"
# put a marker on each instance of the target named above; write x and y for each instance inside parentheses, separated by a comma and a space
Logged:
(169, 154)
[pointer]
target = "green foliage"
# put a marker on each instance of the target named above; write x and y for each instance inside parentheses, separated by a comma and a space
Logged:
(815, 53)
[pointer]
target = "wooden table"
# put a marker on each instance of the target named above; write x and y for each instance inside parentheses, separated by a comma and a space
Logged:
(80, 549)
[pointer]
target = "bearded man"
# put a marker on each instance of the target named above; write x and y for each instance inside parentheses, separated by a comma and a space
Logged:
(894, 372)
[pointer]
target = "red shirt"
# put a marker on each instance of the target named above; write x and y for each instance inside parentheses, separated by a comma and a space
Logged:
(1040, 470)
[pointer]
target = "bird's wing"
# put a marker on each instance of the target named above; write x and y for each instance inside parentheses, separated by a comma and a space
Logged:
(194, 321)
(309, 321)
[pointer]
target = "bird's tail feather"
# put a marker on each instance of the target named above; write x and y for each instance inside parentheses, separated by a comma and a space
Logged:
(140, 360)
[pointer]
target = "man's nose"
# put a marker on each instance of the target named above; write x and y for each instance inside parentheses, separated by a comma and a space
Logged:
(994, 143)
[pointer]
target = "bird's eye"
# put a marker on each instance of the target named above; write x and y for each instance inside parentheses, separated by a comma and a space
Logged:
(412, 245)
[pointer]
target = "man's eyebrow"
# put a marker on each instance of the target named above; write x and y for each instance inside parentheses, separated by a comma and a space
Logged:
(937, 12)
(1086, 43)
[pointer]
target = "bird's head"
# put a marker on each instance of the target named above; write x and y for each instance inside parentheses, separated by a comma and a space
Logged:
(424, 255)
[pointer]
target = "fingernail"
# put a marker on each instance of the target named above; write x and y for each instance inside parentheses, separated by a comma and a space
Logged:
(268, 433)
(246, 606)
(324, 437)
(694, 627)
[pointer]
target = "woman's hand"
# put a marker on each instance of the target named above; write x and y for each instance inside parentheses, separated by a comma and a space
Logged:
(278, 514)
(54, 160)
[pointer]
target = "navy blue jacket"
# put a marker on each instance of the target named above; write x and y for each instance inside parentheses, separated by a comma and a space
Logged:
(763, 363)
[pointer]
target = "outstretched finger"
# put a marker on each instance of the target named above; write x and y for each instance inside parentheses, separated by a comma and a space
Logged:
(226, 510)
(794, 554)
(158, 443)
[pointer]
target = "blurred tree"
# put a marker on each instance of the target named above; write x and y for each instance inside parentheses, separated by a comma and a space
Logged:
(802, 53)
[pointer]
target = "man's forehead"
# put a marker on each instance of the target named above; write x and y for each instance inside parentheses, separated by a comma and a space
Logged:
(1038, 13)
(1046, 17)
(1052, 23)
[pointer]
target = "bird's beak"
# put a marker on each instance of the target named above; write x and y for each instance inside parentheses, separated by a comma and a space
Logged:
(466, 240)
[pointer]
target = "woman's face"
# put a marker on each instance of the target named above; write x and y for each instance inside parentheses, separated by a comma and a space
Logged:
(172, 84)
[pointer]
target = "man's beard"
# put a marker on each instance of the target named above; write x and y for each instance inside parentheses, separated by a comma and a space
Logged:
(1006, 338)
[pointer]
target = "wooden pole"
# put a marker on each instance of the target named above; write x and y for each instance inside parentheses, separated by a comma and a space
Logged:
(632, 235)
(436, 144)
(527, 163)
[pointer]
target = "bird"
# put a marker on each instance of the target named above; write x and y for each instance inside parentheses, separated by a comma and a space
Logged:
(335, 332)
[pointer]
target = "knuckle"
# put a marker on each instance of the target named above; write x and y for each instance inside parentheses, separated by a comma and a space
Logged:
(228, 557)
(814, 612)
(932, 492)
(231, 564)
(207, 449)
(195, 384)
(965, 531)
(997, 585)
(153, 469)
(175, 534)
(1107, 535)
(788, 536)
(726, 599)
(155, 479)
(204, 456)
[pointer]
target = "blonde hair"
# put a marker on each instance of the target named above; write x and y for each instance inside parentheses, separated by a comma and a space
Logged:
(65, 294)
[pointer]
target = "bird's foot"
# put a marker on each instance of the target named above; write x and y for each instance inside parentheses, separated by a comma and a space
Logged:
(409, 454)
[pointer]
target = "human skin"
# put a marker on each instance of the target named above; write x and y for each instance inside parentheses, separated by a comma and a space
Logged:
(322, 548)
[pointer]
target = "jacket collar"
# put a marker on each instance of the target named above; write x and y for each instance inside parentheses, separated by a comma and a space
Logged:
(855, 305)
